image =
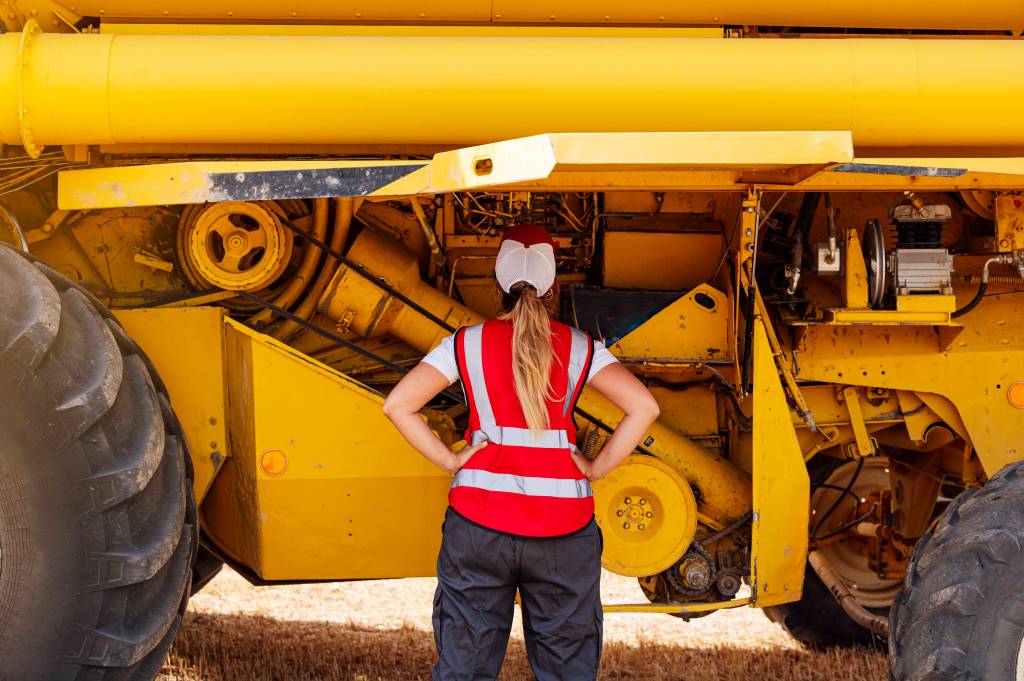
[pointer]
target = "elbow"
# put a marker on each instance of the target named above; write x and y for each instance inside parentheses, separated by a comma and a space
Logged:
(649, 410)
(389, 408)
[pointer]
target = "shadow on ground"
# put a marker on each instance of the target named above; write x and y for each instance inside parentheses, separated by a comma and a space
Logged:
(217, 647)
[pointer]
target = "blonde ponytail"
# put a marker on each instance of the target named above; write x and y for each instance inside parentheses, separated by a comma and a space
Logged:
(531, 356)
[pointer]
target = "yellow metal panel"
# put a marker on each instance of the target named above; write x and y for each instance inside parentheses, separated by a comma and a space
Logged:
(186, 347)
(949, 14)
(658, 260)
(678, 607)
(695, 327)
(514, 161)
(855, 280)
(208, 181)
(971, 373)
(355, 501)
(1009, 223)
(421, 30)
(932, 303)
(781, 488)
(141, 89)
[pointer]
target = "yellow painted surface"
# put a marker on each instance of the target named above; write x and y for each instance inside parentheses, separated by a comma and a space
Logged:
(969, 374)
(931, 303)
(875, 13)
(647, 514)
(686, 330)
(658, 260)
(186, 347)
(855, 279)
(106, 89)
(188, 181)
(781, 488)
(354, 501)
(1009, 223)
(679, 607)
(421, 30)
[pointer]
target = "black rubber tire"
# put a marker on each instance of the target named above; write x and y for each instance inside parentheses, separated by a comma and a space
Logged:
(960, 614)
(206, 567)
(97, 515)
(818, 621)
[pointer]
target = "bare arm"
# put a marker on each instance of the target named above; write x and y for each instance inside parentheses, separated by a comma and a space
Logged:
(402, 407)
(625, 390)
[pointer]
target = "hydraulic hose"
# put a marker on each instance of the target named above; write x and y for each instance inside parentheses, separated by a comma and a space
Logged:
(1003, 259)
(808, 207)
(339, 235)
(310, 258)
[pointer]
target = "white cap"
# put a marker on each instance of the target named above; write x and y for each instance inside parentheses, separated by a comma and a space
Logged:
(527, 254)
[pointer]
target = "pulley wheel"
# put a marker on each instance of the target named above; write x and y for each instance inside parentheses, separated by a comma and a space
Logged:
(648, 516)
(874, 260)
(234, 245)
(981, 202)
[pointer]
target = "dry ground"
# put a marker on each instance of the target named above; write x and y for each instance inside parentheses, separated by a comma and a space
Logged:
(380, 631)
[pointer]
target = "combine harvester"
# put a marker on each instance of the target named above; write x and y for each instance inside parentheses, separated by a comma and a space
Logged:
(233, 226)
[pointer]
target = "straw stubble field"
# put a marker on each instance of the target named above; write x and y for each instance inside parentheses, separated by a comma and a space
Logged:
(380, 631)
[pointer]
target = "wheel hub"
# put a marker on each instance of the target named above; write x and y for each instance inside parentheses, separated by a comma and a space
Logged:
(850, 564)
(238, 246)
(648, 514)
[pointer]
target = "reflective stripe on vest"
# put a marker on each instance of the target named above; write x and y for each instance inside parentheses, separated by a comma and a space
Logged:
(522, 437)
(473, 342)
(561, 488)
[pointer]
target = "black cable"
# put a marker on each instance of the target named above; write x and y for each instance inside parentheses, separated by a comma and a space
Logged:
(379, 282)
(349, 345)
(850, 525)
(835, 504)
(982, 287)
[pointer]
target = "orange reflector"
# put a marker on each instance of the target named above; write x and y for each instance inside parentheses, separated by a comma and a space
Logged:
(1015, 394)
(274, 462)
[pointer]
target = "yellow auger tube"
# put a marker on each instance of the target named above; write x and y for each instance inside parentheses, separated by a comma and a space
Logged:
(724, 491)
(135, 89)
(945, 14)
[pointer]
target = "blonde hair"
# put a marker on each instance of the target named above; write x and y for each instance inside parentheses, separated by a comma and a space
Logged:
(532, 355)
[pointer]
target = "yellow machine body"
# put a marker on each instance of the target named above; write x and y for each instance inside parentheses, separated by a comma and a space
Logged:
(379, 154)
(122, 90)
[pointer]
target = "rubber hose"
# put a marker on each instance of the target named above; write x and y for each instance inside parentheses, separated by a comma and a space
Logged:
(339, 236)
(310, 258)
(982, 287)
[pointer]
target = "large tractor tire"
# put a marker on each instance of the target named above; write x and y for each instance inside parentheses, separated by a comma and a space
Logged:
(960, 614)
(818, 621)
(97, 517)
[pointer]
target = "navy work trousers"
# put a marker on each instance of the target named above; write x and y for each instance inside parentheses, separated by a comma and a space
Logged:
(559, 582)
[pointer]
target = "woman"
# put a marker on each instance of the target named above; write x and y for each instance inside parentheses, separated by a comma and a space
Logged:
(521, 509)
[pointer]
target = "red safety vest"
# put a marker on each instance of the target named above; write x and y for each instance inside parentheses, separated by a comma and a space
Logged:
(519, 483)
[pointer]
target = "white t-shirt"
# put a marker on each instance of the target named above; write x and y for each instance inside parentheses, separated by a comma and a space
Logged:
(443, 359)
